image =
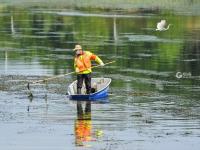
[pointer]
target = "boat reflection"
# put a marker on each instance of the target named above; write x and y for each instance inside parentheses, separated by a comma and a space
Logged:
(83, 125)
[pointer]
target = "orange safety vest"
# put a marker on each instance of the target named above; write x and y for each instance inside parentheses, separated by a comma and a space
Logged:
(83, 62)
(83, 130)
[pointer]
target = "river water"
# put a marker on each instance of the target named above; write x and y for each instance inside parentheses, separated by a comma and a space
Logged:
(154, 96)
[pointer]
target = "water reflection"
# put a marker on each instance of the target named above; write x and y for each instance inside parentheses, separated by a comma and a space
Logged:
(83, 124)
(84, 132)
(12, 26)
(38, 41)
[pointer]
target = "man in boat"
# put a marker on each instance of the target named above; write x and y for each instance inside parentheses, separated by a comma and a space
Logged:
(82, 65)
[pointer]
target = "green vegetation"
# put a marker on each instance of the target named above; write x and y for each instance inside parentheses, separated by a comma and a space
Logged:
(35, 32)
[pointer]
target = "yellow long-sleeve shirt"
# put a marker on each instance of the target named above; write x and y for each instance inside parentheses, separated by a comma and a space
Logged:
(82, 63)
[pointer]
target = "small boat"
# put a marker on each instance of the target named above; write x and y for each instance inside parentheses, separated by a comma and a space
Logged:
(100, 87)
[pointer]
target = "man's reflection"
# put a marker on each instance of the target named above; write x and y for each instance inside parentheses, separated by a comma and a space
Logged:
(83, 124)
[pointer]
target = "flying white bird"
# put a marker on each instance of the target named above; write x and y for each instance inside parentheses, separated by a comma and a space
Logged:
(161, 26)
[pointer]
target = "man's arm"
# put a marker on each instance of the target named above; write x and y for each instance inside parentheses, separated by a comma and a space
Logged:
(97, 59)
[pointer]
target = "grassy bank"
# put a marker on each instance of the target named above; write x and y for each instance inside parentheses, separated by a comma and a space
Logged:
(187, 6)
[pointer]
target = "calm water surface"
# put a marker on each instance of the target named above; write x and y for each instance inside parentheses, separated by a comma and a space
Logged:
(154, 95)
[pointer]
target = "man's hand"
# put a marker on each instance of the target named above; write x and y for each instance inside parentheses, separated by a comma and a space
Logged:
(102, 64)
(77, 70)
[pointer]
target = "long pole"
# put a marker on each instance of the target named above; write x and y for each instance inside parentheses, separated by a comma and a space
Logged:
(62, 75)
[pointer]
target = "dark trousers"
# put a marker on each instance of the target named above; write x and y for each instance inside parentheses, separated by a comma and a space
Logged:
(83, 114)
(87, 79)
